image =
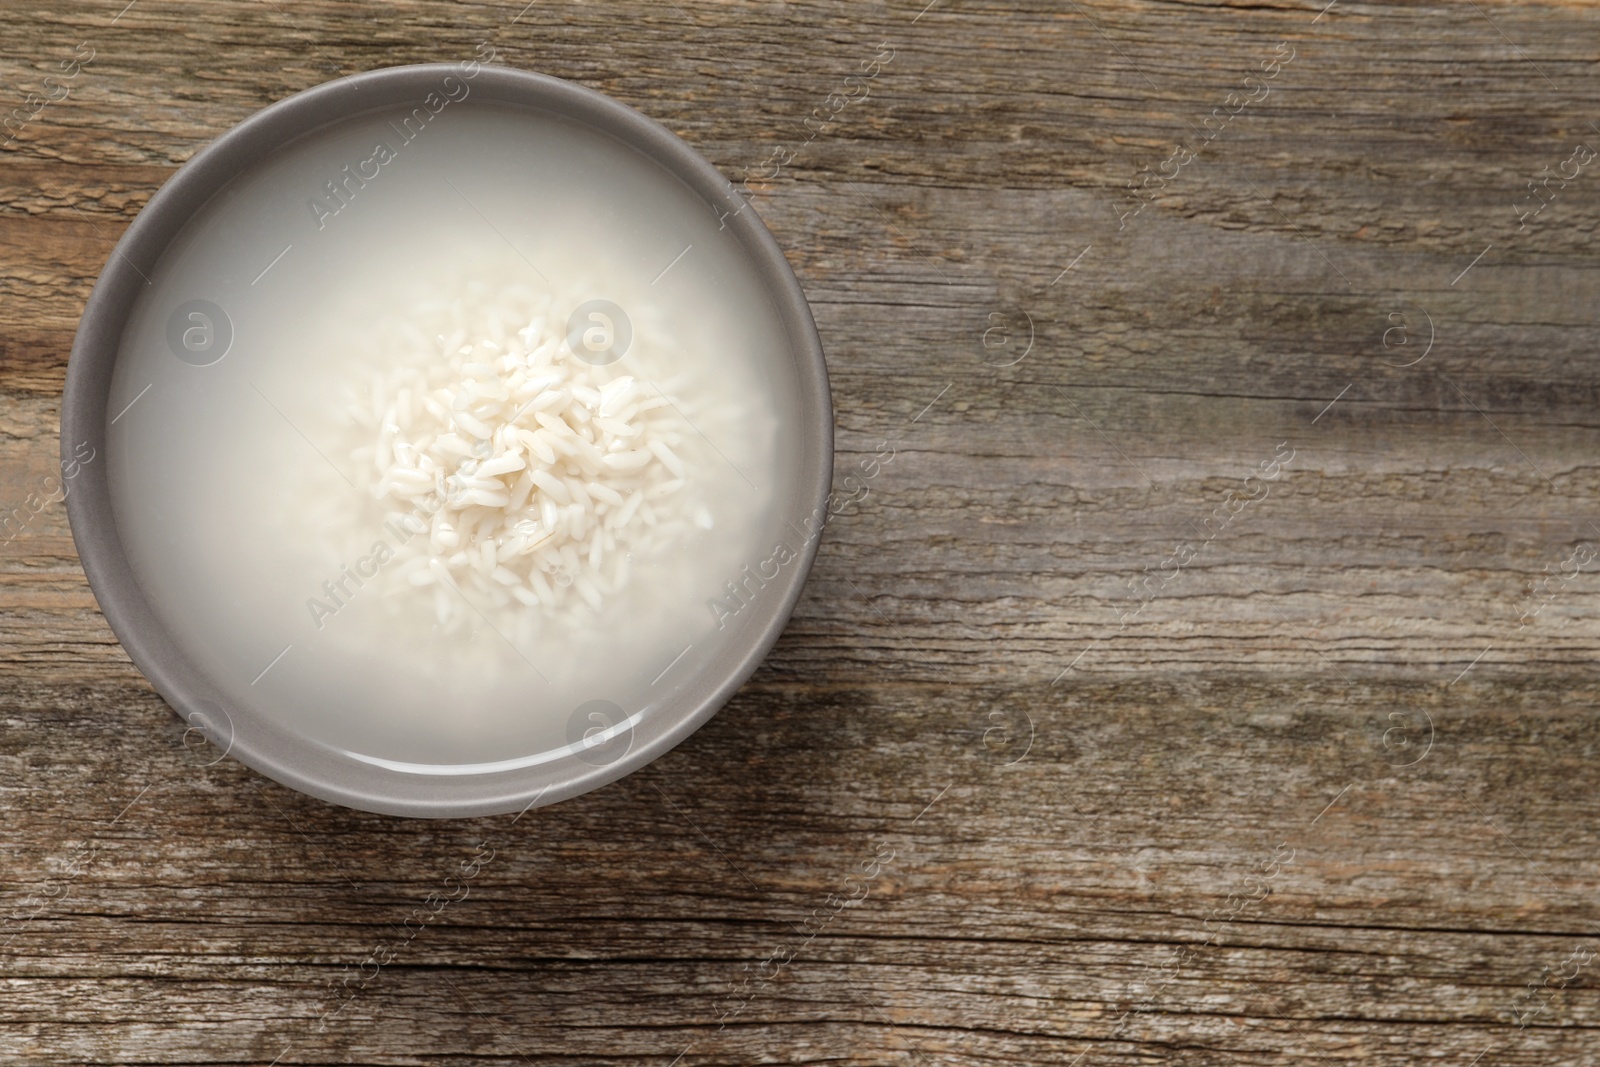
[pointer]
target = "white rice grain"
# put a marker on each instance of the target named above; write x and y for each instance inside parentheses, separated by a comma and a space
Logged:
(535, 476)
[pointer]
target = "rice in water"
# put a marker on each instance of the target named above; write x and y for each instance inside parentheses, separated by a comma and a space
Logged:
(447, 422)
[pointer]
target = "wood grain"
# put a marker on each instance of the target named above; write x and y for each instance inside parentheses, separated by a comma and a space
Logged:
(1323, 792)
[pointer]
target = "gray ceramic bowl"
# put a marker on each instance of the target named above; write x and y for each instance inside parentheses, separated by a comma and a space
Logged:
(258, 741)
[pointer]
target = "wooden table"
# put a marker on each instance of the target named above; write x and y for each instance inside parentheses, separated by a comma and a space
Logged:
(1209, 679)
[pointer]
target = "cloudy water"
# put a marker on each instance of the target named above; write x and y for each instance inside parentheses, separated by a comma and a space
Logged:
(444, 426)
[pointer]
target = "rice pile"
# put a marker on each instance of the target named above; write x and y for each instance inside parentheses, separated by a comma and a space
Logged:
(526, 480)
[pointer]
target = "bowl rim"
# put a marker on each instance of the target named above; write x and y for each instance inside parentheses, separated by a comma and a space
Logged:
(269, 748)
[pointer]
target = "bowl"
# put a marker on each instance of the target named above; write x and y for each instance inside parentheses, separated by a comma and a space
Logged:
(266, 728)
